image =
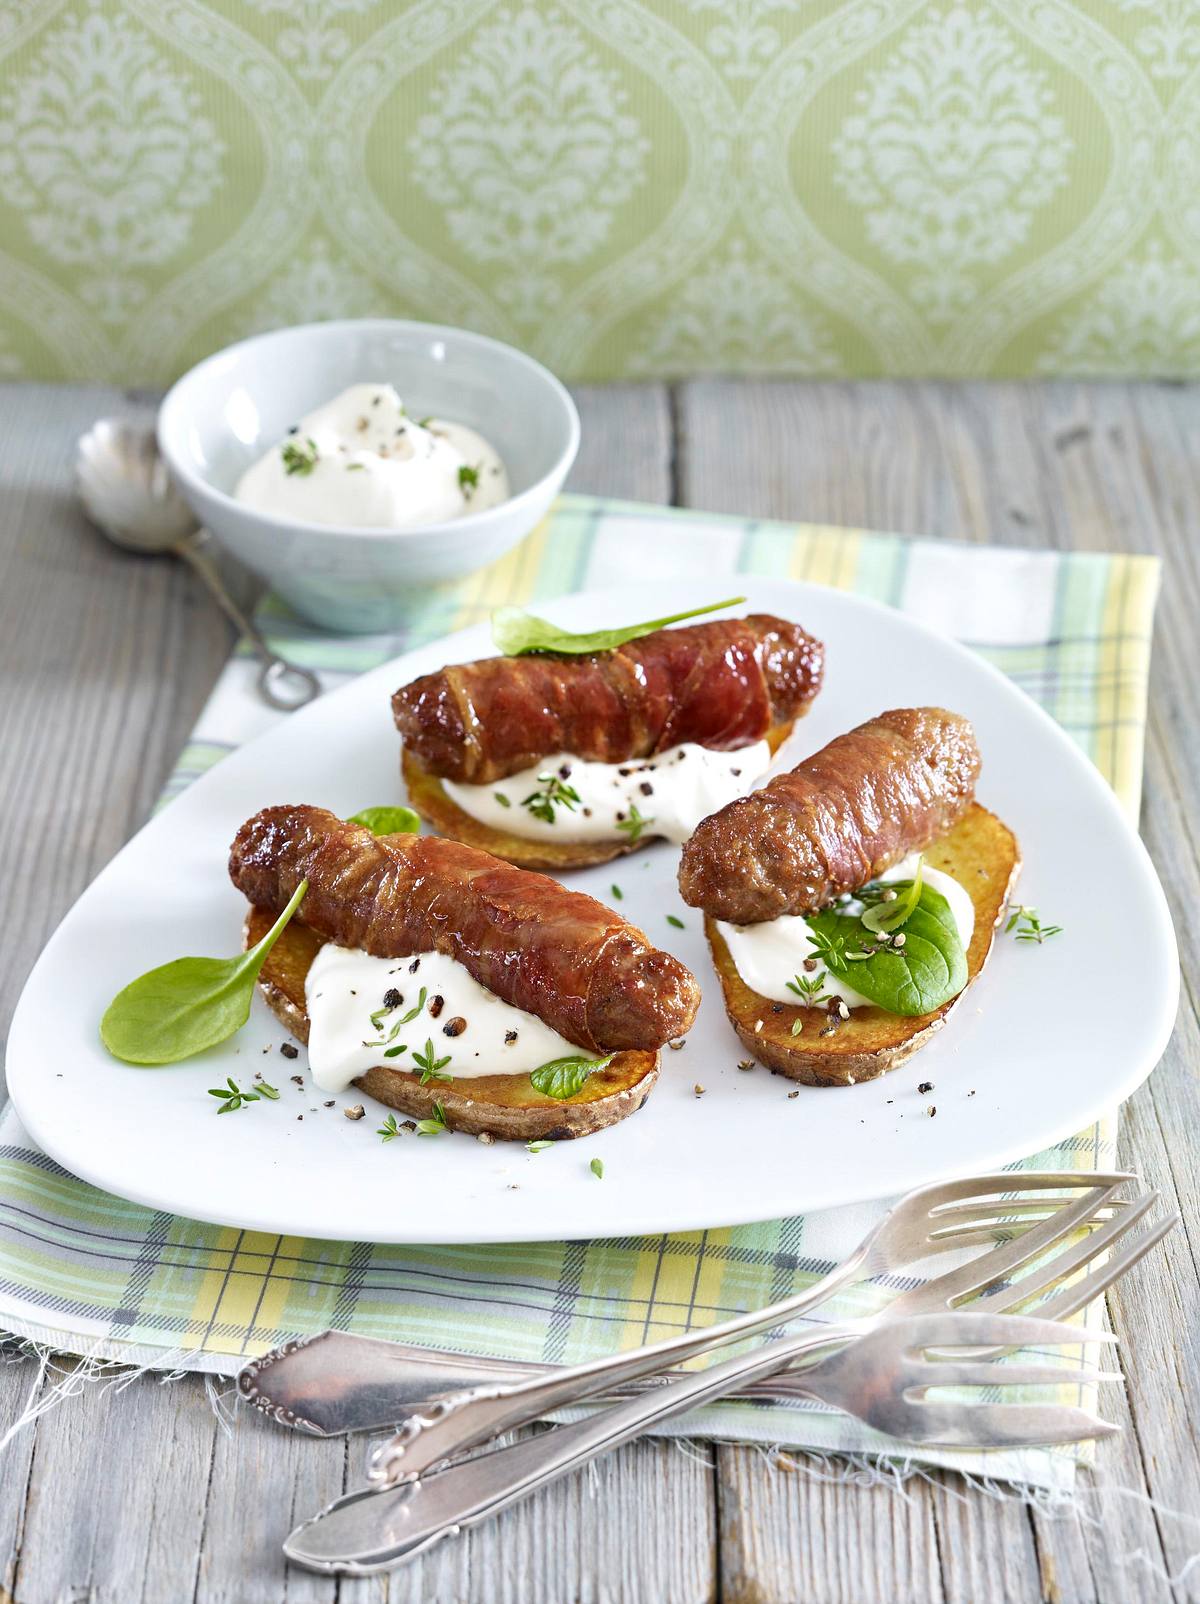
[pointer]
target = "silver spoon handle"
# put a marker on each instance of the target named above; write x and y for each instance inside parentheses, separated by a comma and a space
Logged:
(283, 685)
(370, 1531)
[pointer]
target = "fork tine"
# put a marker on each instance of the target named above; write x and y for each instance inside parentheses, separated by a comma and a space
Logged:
(965, 1328)
(1015, 1182)
(1072, 1258)
(984, 1373)
(1073, 1298)
(990, 1208)
(953, 1425)
(986, 1220)
(987, 1268)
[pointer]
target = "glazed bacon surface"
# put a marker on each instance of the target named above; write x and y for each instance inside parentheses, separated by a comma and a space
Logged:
(555, 953)
(722, 685)
(890, 787)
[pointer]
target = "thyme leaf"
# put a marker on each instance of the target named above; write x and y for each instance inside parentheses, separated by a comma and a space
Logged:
(635, 824)
(299, 458)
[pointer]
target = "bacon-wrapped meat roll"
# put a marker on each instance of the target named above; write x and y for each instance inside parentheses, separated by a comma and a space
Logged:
(578, 966)
(722, 685)
(890, 787)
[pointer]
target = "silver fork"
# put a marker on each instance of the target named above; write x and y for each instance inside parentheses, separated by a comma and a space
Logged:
(338, 1383)
(449, 1425)
(883, 1376)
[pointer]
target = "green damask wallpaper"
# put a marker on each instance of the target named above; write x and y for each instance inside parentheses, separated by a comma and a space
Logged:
(625, 187)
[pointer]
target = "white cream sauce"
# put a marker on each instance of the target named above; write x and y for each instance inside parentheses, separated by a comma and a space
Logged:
(346, 986)
(671, 793)
(360, 461)
(770, 954)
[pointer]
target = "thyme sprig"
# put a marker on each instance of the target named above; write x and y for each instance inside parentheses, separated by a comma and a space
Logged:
(635, 824)
(809, 988)
(384, 1043)
(234, 1096)
(431, 1067)
(554, 793)
(1028, 927)
(830, 948)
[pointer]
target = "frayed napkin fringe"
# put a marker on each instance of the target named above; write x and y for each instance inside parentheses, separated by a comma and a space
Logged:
(1086, 1503)
(71, 1375)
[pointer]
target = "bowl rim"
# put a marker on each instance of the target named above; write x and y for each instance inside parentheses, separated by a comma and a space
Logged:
(172, 404)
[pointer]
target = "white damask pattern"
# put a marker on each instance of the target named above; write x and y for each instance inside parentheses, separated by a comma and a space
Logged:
(744, 41)
(106, 151)
(1144, 319)
(528, 153)
(317, 285)
(15, 15)
(312, 42)
(1170, 40)
(952, 150)
(739, 314)
(619, 186)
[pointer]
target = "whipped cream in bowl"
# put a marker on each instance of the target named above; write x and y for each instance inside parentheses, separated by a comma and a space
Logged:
(363, 461)
(349, 463)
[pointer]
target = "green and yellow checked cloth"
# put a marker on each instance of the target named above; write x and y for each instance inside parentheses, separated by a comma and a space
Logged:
(90, 1273)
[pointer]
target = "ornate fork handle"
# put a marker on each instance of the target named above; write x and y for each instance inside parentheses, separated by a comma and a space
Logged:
(456, 1421)
(385, 1527)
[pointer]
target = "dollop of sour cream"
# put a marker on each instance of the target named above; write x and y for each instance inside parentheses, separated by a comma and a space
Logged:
(566, 798)
(362, 462)
(353, 1015)
(770, 954)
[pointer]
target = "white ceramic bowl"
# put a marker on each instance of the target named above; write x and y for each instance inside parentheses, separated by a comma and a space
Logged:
(231, 408)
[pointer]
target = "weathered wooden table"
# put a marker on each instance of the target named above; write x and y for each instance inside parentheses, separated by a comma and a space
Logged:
(105, 661)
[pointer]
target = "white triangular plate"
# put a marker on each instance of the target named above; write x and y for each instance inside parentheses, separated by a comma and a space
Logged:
(1048, 1039)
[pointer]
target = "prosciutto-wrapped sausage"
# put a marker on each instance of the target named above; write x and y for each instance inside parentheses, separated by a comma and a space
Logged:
(890, 787)
(555, 953)
(722, 685)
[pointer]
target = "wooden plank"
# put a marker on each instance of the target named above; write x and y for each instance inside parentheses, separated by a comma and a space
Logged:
(264, 1481)
(638, 1524)
(94, 711)
(626, 445)
(1104, 467)
(21, 1383)
(116, 1499)
(92, 716)
(784, 1535)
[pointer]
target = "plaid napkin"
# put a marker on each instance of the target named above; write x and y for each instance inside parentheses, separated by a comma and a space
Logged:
(86, 1272)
